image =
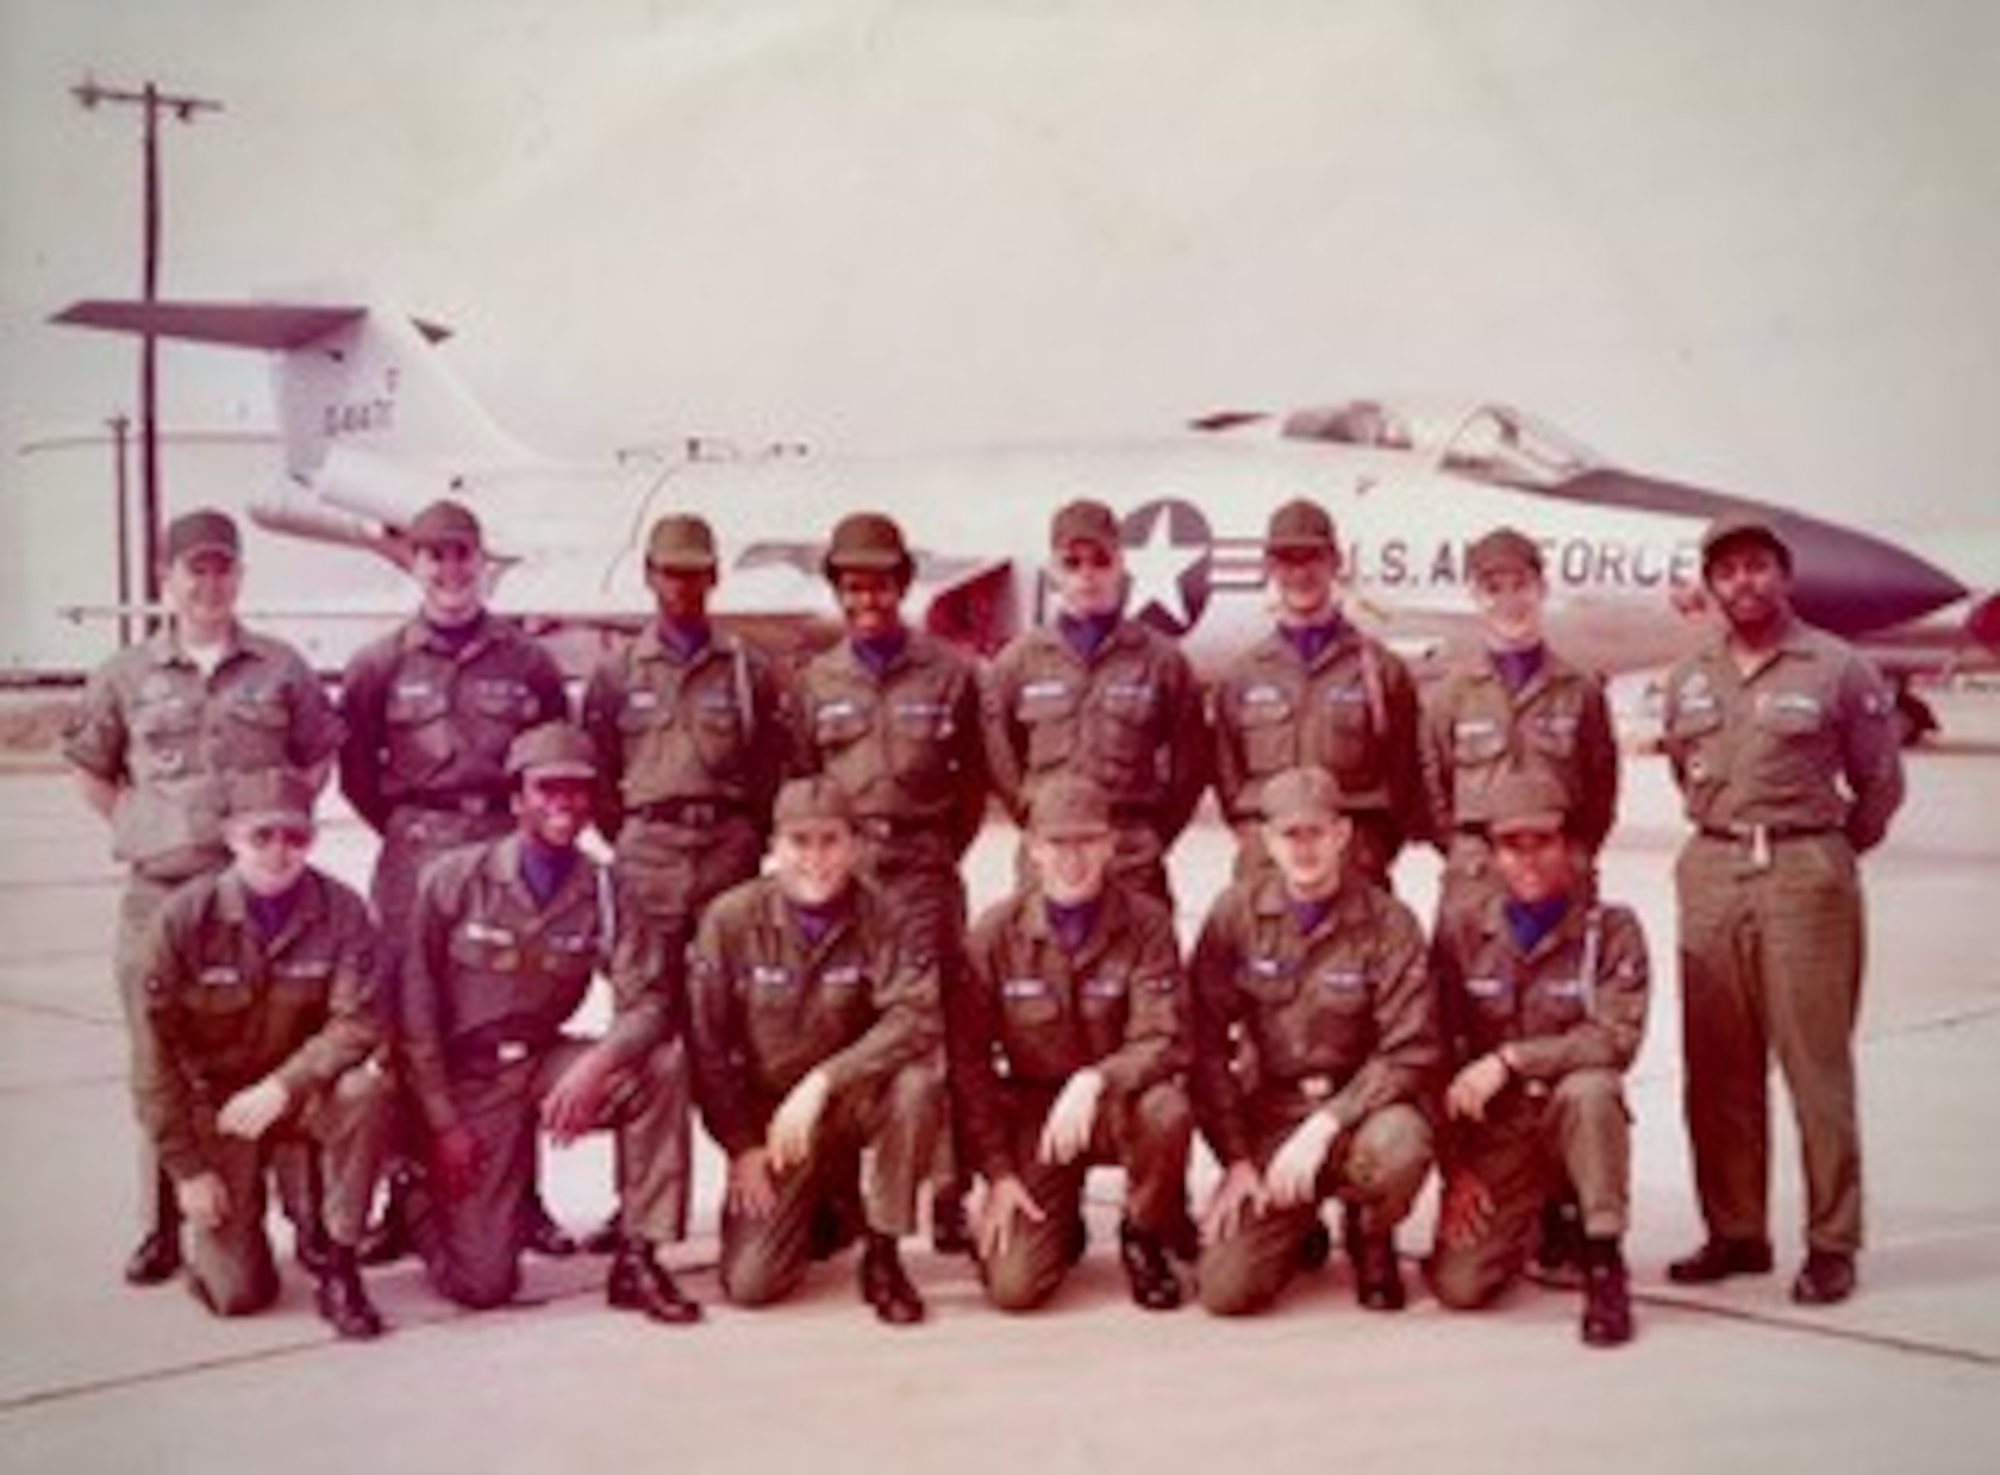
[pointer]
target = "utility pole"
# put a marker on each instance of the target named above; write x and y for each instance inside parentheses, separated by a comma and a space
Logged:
(185, 108)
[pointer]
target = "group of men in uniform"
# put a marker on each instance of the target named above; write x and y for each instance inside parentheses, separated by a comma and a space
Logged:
(785, 929)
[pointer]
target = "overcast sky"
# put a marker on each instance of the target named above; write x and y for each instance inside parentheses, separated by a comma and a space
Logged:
(1750, 245)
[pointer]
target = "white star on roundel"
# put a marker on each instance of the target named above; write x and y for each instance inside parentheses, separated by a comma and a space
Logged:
(1157, 565)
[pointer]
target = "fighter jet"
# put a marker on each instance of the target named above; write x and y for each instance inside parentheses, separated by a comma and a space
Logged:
(376, 424)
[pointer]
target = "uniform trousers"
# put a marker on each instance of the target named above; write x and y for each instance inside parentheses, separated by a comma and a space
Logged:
(1771, 952)
(893, 1124)
(471, 1245)
(1533, 1144)
(1378, 1165)
(1148, 1135)
(230, 1267)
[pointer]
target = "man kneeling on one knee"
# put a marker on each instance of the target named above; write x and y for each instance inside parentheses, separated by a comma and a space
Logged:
(1316, 1054)
(259, 1023)
(1544, 998)
(816, 1030)
(1066, 1045)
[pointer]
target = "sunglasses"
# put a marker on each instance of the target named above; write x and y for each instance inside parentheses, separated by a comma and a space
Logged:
(296, 836)
(1082, 558)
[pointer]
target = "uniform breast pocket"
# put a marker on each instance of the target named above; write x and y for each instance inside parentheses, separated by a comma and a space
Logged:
(1049, 717)
(486, 949)
(167, 735)
(505, 702)
(1489, 998)
(1477, 742)
(218, 998)
(1788, 716)
(1268, 983)
(1029, 1004)
(1267, 722)
(1345, 731)
(1553, 734)
(1343, 990)
(920, 728)
(416, 716)
(839, 725)
(1123, 736)
(718, 733)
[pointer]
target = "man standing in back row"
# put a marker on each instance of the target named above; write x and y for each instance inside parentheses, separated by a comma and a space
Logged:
(1097, 694)
(1319, 692)
(1785, 744)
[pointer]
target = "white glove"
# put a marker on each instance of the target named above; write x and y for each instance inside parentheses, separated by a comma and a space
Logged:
(250, 1113)
(1293, 1175)
(1067, 1131)
(790, 1137)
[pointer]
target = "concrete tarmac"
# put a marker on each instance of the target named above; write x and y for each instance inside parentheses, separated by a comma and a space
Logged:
(95, 1376)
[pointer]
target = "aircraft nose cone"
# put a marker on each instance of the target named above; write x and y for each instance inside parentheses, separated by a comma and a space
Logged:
(1850, 583)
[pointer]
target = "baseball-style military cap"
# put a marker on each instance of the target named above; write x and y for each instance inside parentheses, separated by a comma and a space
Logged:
(1743, 527)
(1312, 793)
(1523, 801)
(867, 542)
(204, 530)
(1504, 548)
(552, 750)
(804, 800)
(1300, 527)
(1070, 807)
(269, 796)
(681, 543)
(446, 521)
(1085, 520)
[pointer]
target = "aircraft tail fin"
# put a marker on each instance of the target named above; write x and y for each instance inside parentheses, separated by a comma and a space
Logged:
(363, 376)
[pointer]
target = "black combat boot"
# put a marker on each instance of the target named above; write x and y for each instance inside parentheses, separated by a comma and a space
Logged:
(1607, 1301)
(343, 1300)
(312, 1246)
(950, 1233)
(639, 1282)
(1378, 1274)
(157, 1258)
(1718, 1259)
(1154, 1284)
(1558, 1257)
(1826, 1279)
(885, 1286)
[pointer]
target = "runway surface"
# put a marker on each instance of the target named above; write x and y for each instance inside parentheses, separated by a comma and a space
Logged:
(98, 1377)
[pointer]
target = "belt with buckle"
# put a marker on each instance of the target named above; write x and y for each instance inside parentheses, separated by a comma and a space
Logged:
(480, 802)
(1753, 833)
(695, 813)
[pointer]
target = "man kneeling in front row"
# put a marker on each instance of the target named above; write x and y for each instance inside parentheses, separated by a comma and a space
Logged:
(1544, 997)
(1066, 1047)
(260, 1021)
(816, 1032)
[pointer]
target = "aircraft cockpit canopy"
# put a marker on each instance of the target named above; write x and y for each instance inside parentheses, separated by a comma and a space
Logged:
(1491, 442)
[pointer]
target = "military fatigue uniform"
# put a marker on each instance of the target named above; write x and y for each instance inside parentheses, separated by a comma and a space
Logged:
(1351, 710)
(689, 755)
(1033, 1015)
(907, 749)
(1129, 717)
(490, 980)
(768, 1007)
(1343, 1017)
(1788, 773)
(169, 735)
(1476, 731)
(1572, 1012)
(226, 1006)
(429, 717)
